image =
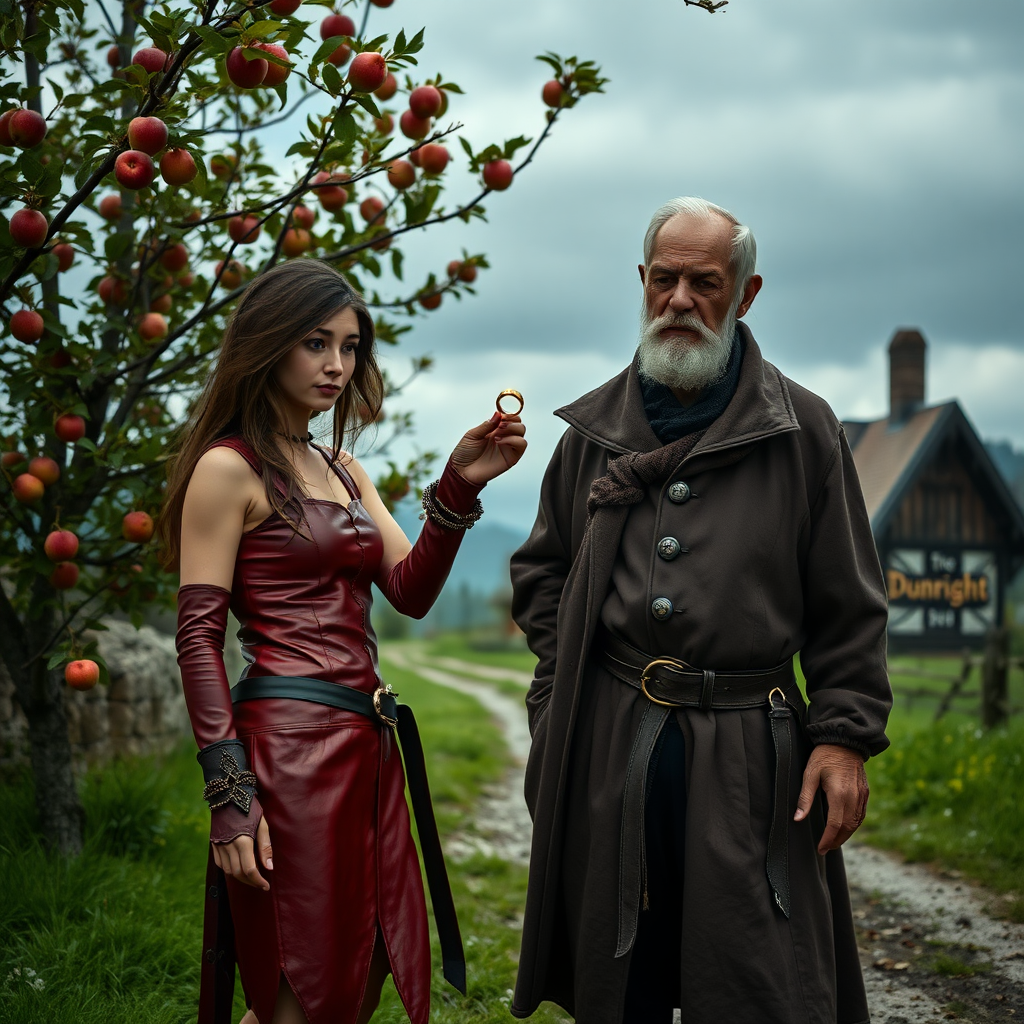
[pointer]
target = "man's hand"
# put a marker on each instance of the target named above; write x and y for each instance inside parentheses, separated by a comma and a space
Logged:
(840, 773)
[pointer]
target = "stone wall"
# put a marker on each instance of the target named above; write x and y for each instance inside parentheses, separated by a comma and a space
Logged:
(142, 711)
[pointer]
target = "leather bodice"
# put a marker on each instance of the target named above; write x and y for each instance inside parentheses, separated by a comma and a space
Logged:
(303, 598)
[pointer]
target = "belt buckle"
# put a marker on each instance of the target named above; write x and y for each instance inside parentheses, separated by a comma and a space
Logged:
(645, 678)
(384, 691)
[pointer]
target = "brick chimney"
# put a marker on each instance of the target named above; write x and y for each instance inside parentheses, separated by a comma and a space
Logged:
(906, 374)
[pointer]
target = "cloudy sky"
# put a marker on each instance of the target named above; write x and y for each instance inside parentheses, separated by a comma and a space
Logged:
(874, 147)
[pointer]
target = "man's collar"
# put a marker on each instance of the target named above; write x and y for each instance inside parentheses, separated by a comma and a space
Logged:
(613, 414)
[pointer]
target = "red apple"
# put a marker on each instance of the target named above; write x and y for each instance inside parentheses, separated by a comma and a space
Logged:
(174, 258)
(43, 468)
(385, 124)
(244, 229)
(401, 174)
(341, 55)
(134, 169)
(5, 131)
(552, 93)
(186, 280)
(283, 8)
(337, 25)
(28, 228)
(467, 273)
(60, 359)
(112, 291)
(453, 268)
(382, 3)
(161, 304)
(296, 241)
(431, 301)
(332, 197)
(27, 488)
(178, 167)
(114, 56)
(110, 207)
(433, 158)
(388, 89)
(147, 134)
(26, 128)
(137, 527)
(383, 240)
(498, 175)
(151, 59)
(65, 256)
(27, 325)
(413, 127)
(303, 216)
(368, 71)
(425, 101)
(276, 74)
(222, 165)
(9, 459)
(246, 74)
(152, 326)
(60, 545)
(232, 276)
(82, 674)
(372, 210)
(64, 576)
(69, 428)
(414, 156)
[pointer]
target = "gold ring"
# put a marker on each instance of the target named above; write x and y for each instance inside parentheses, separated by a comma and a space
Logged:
(509, 393)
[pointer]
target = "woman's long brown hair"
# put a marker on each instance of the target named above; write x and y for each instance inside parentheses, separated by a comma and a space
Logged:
(241, 397)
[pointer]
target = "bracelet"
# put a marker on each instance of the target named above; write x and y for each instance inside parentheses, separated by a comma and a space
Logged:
(444, 516)
(228, 779)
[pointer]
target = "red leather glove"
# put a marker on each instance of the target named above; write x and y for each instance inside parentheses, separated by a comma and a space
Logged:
(202, 623)
(413, 584)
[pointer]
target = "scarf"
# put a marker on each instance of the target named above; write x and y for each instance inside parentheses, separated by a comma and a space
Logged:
(670, 420)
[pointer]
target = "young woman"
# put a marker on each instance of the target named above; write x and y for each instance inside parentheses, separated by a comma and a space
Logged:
(309, 822)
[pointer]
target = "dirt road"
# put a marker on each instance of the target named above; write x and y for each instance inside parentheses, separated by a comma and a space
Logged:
(931, 950)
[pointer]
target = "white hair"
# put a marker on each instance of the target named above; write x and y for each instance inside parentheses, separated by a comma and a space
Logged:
(743, 258)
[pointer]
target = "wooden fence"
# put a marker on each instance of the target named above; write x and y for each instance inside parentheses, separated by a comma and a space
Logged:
(995, 663)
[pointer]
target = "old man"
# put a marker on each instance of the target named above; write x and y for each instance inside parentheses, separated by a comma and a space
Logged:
(700, 525)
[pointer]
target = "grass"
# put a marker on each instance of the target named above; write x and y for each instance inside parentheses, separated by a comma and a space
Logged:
(481, 650)
(114, 936)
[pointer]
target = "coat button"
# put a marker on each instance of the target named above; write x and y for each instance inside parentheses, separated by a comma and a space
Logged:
(679, 492)
(661, 608)
(669, 548)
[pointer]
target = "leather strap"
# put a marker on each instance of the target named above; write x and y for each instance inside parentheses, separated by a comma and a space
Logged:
(383, 707)
(217, 974)
(780, 715)
(670, 683)
(674, 682)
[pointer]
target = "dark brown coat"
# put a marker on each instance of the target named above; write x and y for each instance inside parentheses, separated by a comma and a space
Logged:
(780, 561)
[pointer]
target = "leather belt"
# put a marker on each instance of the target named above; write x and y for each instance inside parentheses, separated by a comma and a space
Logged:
(383, 706)
(669, 683)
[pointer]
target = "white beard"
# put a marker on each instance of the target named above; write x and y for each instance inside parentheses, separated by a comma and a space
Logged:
(681, 364)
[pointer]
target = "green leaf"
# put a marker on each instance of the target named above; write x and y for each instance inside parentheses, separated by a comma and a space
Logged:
(263, 29)
(396, 263)
(332, 79)
(116, 246)
(366, 102)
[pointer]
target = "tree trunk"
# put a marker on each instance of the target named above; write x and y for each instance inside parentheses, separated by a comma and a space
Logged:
(61, 817)
(40, 693)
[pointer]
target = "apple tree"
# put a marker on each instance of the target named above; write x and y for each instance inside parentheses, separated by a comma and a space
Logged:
(144, 185)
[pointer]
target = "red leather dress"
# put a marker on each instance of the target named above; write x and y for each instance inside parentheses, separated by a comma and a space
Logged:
(330, 781)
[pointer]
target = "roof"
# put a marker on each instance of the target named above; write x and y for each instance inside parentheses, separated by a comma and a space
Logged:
(884, 452)
(889, 456)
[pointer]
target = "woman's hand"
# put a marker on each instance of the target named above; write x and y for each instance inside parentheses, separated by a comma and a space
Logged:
(237, 858)
(488, 450)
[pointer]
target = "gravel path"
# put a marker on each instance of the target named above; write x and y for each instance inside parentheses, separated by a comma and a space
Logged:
(930, 949)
